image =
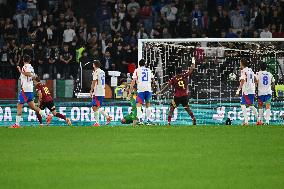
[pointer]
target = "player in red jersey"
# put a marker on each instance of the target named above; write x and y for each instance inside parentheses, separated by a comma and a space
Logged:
(180, 83)
(46, 101)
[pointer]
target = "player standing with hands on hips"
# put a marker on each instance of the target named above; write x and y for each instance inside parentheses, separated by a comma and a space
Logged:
(247, 86)
(143, 77)
(180, 84)
(26, 94)
(97, 93)
(264, 82)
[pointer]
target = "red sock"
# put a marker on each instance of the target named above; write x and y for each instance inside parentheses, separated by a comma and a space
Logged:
(60, 116)
(191, 115)
(39, 117)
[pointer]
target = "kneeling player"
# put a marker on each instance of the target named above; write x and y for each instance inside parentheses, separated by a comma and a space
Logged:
(46, 101)
(264, 82)
(180, 83)
(132, 117)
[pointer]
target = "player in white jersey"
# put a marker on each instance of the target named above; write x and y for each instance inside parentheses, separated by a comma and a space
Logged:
(26, 94)
(97, 92)
(264, 82)
(247, 86)
(143, 77)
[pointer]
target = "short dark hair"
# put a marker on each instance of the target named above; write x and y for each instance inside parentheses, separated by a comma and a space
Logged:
(178, 70)
(26, 58)
(263, 66)
(142, 62)
(97, 63)
(245, 63)
(36, 78)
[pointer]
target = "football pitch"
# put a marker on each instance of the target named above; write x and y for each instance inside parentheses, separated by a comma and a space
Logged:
(142, 157)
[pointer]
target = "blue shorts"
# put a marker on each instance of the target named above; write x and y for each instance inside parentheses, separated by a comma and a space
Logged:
(264, 99)
(143, 97)
(247, 99)
(97, 101)
(25, 97)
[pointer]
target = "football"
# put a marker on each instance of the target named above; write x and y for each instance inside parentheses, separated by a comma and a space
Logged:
(232, 77)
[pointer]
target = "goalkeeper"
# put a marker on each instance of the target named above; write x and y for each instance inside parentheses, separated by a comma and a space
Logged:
(132, 116)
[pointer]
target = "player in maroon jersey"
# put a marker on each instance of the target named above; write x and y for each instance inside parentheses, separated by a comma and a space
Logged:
(46, 101)
(180, 83)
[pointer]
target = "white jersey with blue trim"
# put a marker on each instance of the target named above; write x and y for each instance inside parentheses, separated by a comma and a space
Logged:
(144, 77)
(27, 81)
(248, 76)
(99, 76)
(265, 79)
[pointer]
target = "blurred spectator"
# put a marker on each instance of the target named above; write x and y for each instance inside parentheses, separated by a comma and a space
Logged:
(22, 20)
(265, 33)
(146, 16)
(133, 6)
(107, 62)
(68, 34)
(64, 63)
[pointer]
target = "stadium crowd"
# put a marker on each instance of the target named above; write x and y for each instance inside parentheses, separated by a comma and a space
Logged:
(58, 34)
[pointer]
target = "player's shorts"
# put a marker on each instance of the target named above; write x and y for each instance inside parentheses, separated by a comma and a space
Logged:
(262, 99)
(247, 99)
(49, 105)
(183, 100)
(143, 97)
(25, 97)
(97, 101)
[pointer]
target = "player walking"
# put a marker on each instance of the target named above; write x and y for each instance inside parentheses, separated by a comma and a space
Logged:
(143, 77)
(46, 101)
(264, 82)
(247, 85)
(26, 94)
(97, 93)
(180, 84)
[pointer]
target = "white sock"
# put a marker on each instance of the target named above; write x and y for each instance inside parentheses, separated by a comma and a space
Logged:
(103, 112)
(148, 113)
(267, 116)
(18, 119)
(254, 111)
(96, 115)
(139, 113)
(42, 113)
(260, 115)
(244, 110)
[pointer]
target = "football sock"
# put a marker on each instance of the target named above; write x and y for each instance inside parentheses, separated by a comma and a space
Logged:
(244, 110)
(267, 116)
(254, 110)
(60, 116)
(139, 113)
(39, 117)
(260, 114)
(103, 112)
(148, 113)
(18, 119)
(42, 113)
(96, 113)
(170, 114)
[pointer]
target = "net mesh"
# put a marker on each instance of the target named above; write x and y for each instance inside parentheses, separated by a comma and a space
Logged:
(216, 78)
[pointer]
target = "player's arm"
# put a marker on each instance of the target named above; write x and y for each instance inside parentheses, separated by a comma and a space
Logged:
(242, 81)
(192, 67)
(134, 80)
(93, 86)
(163, 89)
(39, 96)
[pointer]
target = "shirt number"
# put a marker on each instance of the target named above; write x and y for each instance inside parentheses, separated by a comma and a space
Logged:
(145, 75)
(46, 91)
(265, 80)
(181, 84)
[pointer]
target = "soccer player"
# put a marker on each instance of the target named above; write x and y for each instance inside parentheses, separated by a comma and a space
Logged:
(264, 82)
(180, 84)
(247, 85)
(132, 117)
(143, 77)
(97, 93)
(46, 101)
(26, 94)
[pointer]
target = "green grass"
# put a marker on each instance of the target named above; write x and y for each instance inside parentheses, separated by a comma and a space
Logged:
(142, 157)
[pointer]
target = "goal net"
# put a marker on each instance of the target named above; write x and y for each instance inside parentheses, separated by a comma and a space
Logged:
(215, 80)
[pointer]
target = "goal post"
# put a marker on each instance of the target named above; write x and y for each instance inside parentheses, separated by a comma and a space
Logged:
(216, 78)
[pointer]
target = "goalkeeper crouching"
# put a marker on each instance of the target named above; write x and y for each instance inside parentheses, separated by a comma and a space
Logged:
(132, 116)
